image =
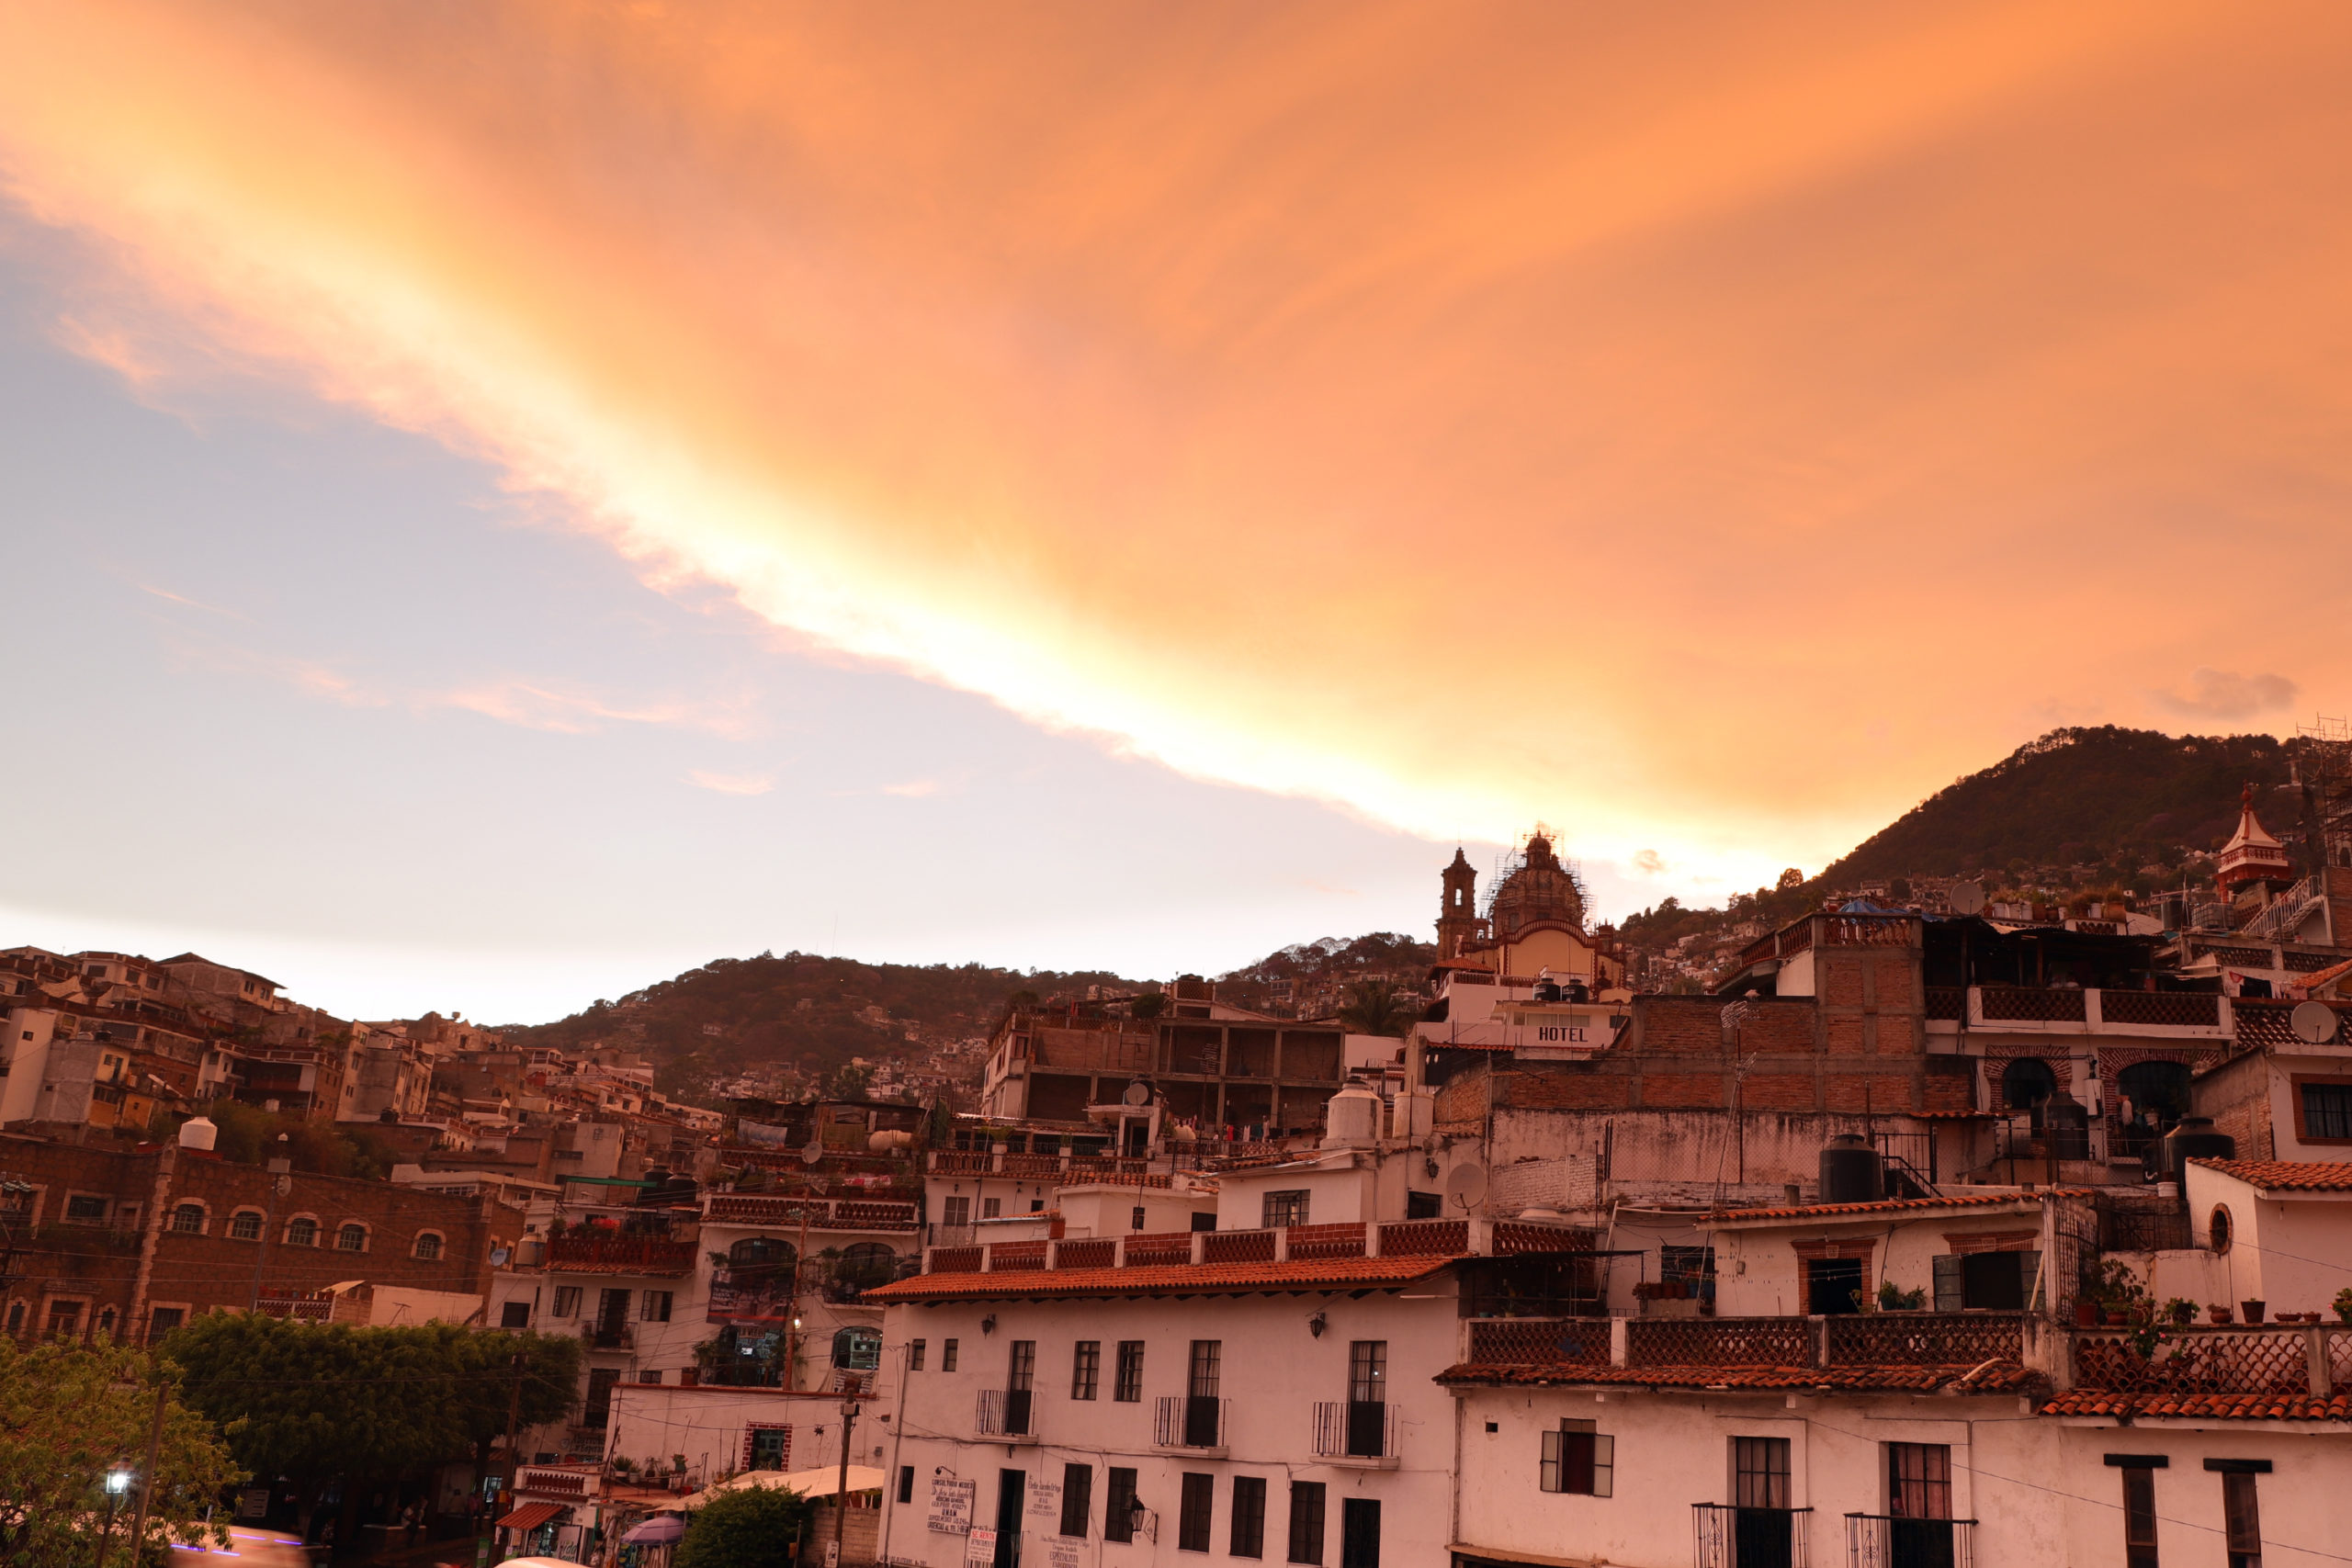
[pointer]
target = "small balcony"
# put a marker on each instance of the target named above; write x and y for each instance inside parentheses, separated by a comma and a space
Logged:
(1879, 1541)
(1357, 1432)
(1191, 1423)
(1006, 1416)
(1728, 1537)
(608, 1337)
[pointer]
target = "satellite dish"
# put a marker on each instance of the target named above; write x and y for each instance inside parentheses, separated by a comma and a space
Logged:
(813, 1152)
(1139, 1093)
(2313, 1022)
(1465, 1186)
(1967, 897)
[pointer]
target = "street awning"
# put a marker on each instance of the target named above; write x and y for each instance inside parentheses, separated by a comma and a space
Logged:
(530, 1516)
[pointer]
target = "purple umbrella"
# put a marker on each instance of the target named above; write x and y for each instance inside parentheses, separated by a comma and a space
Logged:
(659, 1530)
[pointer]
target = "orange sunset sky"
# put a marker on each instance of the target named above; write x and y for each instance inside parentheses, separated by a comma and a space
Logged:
(1712, 427)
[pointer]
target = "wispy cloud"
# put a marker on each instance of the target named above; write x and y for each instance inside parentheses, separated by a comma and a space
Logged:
(732, 784)
(192, 603)
(913, 789)
(527, 704)
(2225, 694)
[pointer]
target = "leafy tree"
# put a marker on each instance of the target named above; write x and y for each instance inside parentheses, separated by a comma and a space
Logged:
(313, 1402)
(749, 1527)
(1375, 1007)
(68, 1415)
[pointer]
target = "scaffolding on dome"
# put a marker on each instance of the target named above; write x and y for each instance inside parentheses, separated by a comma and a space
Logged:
(1532, 884)
(2323, 763)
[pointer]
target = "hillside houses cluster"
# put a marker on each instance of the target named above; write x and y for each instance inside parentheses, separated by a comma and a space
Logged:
(1916, 1239)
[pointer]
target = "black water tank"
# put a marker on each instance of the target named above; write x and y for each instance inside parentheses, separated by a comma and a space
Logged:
(2067, 1126)
(1851, 1171)
(2193, 1137)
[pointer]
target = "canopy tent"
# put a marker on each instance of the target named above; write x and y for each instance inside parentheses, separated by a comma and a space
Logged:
(811, 1483)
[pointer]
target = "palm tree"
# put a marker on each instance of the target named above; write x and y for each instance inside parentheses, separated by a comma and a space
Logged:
(1377, 1008)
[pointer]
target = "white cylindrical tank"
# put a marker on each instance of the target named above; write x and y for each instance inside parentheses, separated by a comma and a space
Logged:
(198, 1133)
(1351, 1120)
(1412, 1115)
(889, 1138)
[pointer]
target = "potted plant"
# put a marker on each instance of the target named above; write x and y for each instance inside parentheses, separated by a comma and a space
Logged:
(2181, 1310)
(1892, 1299)
(2252, 1310)
(2085, 1313)
(2217, 1313)
(2343, 1304)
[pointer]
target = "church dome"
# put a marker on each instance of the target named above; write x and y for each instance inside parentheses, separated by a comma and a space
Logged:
(1540, 888)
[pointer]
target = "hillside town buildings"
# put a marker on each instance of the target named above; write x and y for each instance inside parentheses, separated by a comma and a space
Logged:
(1917, 1236)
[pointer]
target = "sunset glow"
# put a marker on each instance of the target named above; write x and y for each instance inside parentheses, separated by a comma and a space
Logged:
(1461, 416)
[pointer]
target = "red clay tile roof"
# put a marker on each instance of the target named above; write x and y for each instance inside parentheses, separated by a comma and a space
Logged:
(2265, 1023)
(1891, 1205)
(2204, 1406)
(2001, 1377)
(2285, 1174)
(2322, 976)
(1166, 1278)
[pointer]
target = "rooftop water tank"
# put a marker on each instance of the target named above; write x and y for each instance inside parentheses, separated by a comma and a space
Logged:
(1851, 1171)
(198, 1133)
(2193, 1137)
(2067, 1126)
(1351, 1120)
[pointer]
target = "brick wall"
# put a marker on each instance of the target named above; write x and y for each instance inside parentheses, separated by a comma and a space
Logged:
(137, 1258)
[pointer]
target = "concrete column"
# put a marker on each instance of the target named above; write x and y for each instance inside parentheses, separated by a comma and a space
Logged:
(2315, 1359)
(1617, 1340)
(1281, 1244)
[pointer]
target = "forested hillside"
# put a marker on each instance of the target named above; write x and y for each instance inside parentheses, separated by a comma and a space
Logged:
(2118, 798)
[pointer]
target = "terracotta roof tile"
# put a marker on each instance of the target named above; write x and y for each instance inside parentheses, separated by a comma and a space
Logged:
(2002, 1377)
(2284, 1175)
(1893, 1205)
(1339, 1273)
(2204, 1406)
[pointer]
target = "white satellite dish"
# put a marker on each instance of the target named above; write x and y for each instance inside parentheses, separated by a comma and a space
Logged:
(1139, 1093)
(1465, 1186)
(813, 1152)
(2313, 1022)
(1967, 897)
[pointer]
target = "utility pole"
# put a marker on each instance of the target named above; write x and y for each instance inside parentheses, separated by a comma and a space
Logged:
(514, 1423)
(147, 1475)
(841, 1487)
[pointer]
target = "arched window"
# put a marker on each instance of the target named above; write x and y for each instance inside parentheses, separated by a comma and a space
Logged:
(188, 1219)
(16, 1317)
(245, 1225)
(303, 1232)
(2218, 1229)
(2158, 1091)
(857, 1349)
(428, 1245)
(2026, 1083)
(760, 1255)
(352, 1237)
(106, 1320)
(866, 1264)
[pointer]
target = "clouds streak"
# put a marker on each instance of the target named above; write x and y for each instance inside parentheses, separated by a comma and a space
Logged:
(1467, 416)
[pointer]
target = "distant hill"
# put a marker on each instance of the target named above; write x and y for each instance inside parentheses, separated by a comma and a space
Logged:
(813, 1014)
(2094, 807)
(803, 1010)
(2107, 797)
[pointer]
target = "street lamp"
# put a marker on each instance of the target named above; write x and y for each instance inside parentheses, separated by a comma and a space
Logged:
(118, 1482)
